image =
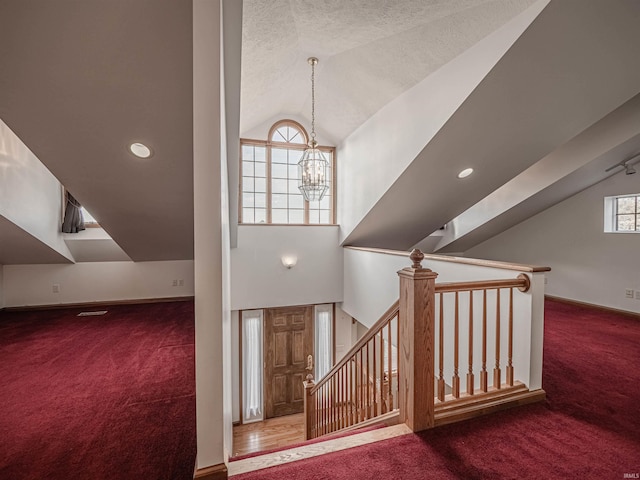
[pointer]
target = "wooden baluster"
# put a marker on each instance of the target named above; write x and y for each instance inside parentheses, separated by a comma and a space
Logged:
(367, 376)
(483, 373)
(375, 379)
(353, 399)
(331, 404)
(325, 423)
(318, 413)
(455, 383)
(470, 380)
(341, 398)
(510, 351)
(309, 408)
(497, 381)
(441, 384)
(345, 395)
(361, 379)
(383, 407)
(389, 375)
(397, 392)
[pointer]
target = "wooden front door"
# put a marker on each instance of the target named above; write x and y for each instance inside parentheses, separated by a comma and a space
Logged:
(288, 340)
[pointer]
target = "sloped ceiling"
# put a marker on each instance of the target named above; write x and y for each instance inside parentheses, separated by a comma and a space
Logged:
(80, 81)
(369, 52)
(575, 64)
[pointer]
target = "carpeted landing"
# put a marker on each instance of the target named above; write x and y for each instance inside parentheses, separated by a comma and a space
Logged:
(588, 428)
(106, 397)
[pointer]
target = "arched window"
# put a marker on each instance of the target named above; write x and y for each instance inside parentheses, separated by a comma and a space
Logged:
(269, 179)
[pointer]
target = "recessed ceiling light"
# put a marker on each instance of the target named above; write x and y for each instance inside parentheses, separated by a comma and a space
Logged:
(140, 150)
(465, 173)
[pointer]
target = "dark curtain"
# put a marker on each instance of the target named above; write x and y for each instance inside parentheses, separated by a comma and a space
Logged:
(73, 221)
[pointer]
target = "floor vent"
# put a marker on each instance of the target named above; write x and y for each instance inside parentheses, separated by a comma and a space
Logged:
(91, 314)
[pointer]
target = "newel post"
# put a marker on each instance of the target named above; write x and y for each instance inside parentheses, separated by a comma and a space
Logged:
(416, 344)
(309, 408)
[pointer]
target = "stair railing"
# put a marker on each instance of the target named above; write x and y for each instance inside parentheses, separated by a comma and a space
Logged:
(361, 386)
(393, 366)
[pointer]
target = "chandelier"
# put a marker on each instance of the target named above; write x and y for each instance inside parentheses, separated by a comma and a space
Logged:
(313, 167)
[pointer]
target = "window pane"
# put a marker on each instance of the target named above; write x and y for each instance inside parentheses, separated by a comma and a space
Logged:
(279, 170)
(247, 215)
(247, 169)
(296, 216)
(279, 200)
(260, 154)
(261, 185)
(279, 216)
(279, 186)
(314, 216)
(293, 171)
(261, 170)
(638, 222)
(325, 216)
(296, 201)
(295, 156)
(261, 200)
(627, 205)
(626, 223)
(248, 200)
(261, 215)
(247, 184)
(247, 152)
(281, 135)
(325, 203)
(278, 155)
(293, 187)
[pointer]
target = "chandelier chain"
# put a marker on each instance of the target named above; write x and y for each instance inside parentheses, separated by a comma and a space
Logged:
(313, 101)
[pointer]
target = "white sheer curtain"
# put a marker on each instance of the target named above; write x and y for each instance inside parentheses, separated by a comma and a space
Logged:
(324, 348)
(252, 364)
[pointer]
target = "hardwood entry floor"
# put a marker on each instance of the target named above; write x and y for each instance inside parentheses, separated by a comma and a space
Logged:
(272, 433)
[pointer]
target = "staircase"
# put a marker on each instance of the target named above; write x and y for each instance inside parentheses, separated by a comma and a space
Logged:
(444, 352)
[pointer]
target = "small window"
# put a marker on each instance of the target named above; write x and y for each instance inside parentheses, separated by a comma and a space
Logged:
(324, 340)
(252, 364)
(269, 180)
(89, 221)
(622, 214)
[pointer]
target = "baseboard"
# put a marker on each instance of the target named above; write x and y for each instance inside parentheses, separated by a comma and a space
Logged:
(107, 303)
(592, 305)
(214, 472)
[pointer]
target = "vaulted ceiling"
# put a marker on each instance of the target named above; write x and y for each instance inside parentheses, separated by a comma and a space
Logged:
(79, 81)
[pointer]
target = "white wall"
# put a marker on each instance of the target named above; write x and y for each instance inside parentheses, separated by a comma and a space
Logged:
(259, 280)
(95, 282)
(344, 333)
(587, 264)
(30, 196)
(235, 364)
(208, 232)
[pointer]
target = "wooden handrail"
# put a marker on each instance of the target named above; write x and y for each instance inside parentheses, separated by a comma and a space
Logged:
(461, 260)
(522, 282)
(372, 332)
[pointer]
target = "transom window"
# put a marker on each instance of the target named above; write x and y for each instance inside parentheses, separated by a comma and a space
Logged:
(269, 179)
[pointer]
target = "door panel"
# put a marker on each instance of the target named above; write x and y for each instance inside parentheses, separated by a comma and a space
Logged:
(288, 340)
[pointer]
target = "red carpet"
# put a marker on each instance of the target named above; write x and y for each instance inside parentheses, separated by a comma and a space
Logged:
(589, 427)
(109, 397)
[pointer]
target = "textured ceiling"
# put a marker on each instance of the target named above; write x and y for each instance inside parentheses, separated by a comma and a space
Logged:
(369, 51)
